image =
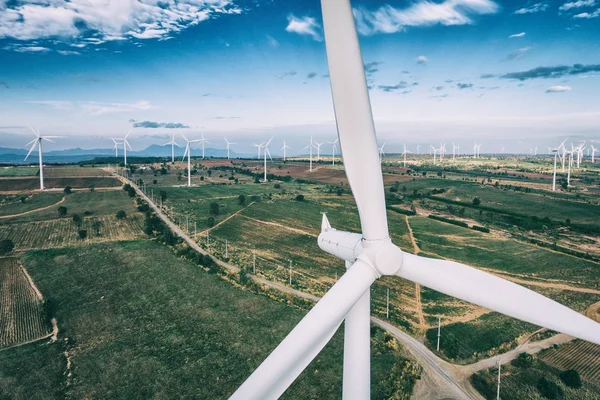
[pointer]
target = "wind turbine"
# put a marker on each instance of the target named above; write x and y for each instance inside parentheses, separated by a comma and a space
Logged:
(404, 154)
(418, 148)
(125, 146)
(188, 153)
(283, 148)
(38, 142)
(434, 152)
(228, 146)
(318, 147)
(116, 147)
(564, 153)
(203, 142)
(593, 152)
(454, 149)
(502, 149)
(371, 254)
(381, 152)
(555, 151)
(475, 150)
(333, 145)
(570, 153)
(258, 146)
(310, 147)
(173, 144)
(265, 152)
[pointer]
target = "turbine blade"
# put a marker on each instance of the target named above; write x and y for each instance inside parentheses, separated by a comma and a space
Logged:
(127, 143)
(490, 291)
(306, 340)
(48, 140)
(269, 154)
(31, 149)
(183, 136)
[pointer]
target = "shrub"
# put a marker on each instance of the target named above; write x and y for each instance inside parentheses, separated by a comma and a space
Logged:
(6, 246)
(481, 228)
(549, 389)
(476, 201)
(62, 211)
(243, 276)
(163, 195)
(210, 221)
(82, 233)
(77, 220)
(483, 386)
(524, 360)
(68, 190)
(242, 199)
(449, 221)
(121, 214)
(214, 208)
(277, 186)
(300, 197)
(571, 378)
(402, 211)
(143, 208)
(131, 192)
(97, 225)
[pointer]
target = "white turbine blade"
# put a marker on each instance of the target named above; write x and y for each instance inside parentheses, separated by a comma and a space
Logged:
(32, 142)
(356, 129)
(183, 136)
(125, 142)
(128, 133)
(31, 149)
(305, 148)
(268, 153)
(187, 149)
(490, 291)
(53, 137)
(269, 142)
(306, 340)
(46, 139)
(34, 131)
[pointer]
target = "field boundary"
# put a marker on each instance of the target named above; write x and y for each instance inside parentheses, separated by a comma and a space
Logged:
(34, 211)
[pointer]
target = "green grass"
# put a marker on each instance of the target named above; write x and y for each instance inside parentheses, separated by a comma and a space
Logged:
(18, 171)
(58, 183)
(97, 202)
(11, 204)
(142, 324)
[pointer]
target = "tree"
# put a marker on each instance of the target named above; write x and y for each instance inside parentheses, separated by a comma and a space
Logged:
(476, 201)
(62, 211)
(163, 195)
(68, 190)
(131, 192)
(97, 225)
(209, 172)
(77, 220)
(571, 378)
(121, 214)
(82, 233)
(549, 389)
(210, 221)
(23, 199)
(179, 175)
(242, 199)
(300, 197)
(524, 360)
(6, 246)
(92, 188)
(214, 208)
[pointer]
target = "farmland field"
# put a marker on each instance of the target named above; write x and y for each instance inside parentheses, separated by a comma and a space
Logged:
(16, 204)
(584, 357)
(137, 322)
(22, 317)
(18, 171)
(21, 184)
(74, 171)
(63, 232)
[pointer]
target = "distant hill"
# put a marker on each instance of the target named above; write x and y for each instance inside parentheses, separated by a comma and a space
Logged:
(16, 156)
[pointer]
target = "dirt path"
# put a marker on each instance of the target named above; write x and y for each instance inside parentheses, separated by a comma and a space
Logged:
(417, 250)
(34, 211)
(52, 190)
(299, 231)
(222, 222)
(549, 285)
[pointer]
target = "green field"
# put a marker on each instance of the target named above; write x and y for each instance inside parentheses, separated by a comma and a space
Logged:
(19, 171)
(16, 204)
(58, 183)
(136, 322)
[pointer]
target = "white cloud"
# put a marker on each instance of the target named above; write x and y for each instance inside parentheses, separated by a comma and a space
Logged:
(577, 4)
(388, 19)
(518, 54)
(304, 26)
(272, 41)
(87, 22)
(94, 107)
(29, 49)
(558, 89)
(68, 52)
(538, 7)
(517, 35)
(422, 60)
(586, 15)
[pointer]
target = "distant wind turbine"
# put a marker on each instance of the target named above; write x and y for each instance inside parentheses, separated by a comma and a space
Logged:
(310, 149)
(38, 142)
(555, 151)
(258, 147)
(318, 147)
(125, 146)
(594, 150)
(418, 148)
(228, 146)
(116, 147)
(265, 152)
(284, 148)
(173, 144)
(203, 142)
(188, 153)
(404, 154)
(333, 146)
(381, 152)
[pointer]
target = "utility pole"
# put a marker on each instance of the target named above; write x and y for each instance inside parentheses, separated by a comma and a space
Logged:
(498, 392)
(290, 272)
(387, 304)
(439, 332)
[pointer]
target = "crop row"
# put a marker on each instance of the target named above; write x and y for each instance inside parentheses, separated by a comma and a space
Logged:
(63, 232)
(21, 311)
(579, 355)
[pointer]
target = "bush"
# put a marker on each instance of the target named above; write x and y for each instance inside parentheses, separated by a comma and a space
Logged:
(242, 199)
(143, 208)
(571, 378)
(524, 360)
(131, 192)
(121, 214)
(549, 389)
(481, 228)
(243, 276)
(82, 233)
(277, 186)
(77, 220)
(214, 208)
(210, 222)
(300, 197)
(62, 211)
(163, 195)
(449, 221)
(6, 246)
(483, 386)
(476, 201)
(402, 210)
(68, 190)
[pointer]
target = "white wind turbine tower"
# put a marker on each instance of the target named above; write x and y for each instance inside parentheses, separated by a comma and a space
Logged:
(418, 148)
(502, 149)
(116, 147)
(593, 153)
(555, 151)
(188, 153)
(579, 153)
(310, 149)
(442, 151)
(371, 254)
(570, 153)
(479, 150)
(228, 146)
(404, 154)
(564, 153)
(318, 147)
(434, 153)
(381, 152)
(258, 147)
(203, 141)
(265, 152)
(333, 146)
(38, 142)
(173, 144)
(284, 148)
(125, 146)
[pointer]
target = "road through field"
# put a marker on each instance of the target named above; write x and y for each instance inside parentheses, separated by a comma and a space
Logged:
(34, 211)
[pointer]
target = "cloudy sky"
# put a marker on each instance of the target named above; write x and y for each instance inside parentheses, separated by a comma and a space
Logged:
(521, 72)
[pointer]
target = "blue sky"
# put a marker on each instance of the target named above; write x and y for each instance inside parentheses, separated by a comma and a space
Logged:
(523, 73)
